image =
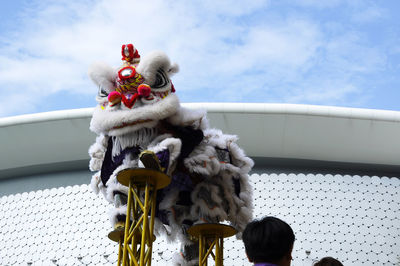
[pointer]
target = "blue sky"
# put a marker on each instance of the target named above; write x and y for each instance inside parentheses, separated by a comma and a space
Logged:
(341, 53)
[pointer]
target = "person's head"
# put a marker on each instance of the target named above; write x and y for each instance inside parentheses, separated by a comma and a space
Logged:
(328, 261)
(269, 240)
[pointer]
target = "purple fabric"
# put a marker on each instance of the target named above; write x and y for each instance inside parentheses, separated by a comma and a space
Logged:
(181, 181)
(111, 163)
(163, 157)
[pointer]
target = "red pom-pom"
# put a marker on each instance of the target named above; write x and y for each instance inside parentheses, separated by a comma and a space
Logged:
(144, 90)
(114, 97)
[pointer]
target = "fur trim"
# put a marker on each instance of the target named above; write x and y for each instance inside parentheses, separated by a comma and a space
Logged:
(244, 210)
(103, 76)
(222, 204)
(154, 142)
(175, 221)
(239, 158)
(151, 63)
(170, 198)
(209, 206)
(113, 184)
(96, 152)
(203, 160)
(176, 215)
(159, 138)
(114, 212)
(95, 164)
(179, 260)
(174, 147)
(159, 228)
(141, 137)
(107, 122)
(188, 117)
(95, 183)
(113, 187)
(172, 144)
(173, 69)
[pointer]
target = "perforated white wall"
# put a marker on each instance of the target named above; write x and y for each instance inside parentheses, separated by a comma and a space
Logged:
(352, 218)
(355, 219)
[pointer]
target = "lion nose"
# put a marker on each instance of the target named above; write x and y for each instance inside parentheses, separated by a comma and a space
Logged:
(128, 100)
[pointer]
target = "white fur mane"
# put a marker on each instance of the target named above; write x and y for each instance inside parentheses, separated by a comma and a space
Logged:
(110, 122)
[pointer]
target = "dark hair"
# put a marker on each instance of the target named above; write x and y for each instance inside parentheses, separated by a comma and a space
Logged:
(268, 239)
(328, 261)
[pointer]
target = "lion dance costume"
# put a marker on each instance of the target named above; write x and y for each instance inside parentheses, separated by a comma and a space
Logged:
(138, 111)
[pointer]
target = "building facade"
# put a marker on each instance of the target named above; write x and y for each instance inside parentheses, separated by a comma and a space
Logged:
(331, 173)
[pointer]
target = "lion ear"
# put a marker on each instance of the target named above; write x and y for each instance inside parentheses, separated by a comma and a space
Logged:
(103, 76)
(174, 68)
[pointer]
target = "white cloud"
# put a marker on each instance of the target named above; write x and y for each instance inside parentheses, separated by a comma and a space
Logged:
(318, 3)
(368, 14)
(350, 53)
(330, 92)
(233, 8)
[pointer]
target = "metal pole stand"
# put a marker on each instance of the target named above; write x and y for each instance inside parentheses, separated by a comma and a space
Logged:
(211, 235)
(138, 235)
(118, 236)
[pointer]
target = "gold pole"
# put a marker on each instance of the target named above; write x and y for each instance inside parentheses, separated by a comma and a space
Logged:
(153, 213)
(138, 236)
(222, 250)
(127, 225)
(119, 251)
(217, 252)
(213, 234)
(145, 220)
(117, 235)
(201, 250)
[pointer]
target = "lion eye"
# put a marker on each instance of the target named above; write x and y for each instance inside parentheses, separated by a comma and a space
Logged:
(161, 80)
(102, 92)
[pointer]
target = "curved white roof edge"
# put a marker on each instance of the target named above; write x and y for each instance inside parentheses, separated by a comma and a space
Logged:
(300, 109)
(282, 131)
(250, 108)
(46, 116)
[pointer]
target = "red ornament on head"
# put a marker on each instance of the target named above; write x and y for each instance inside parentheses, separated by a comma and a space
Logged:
(130, 54)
